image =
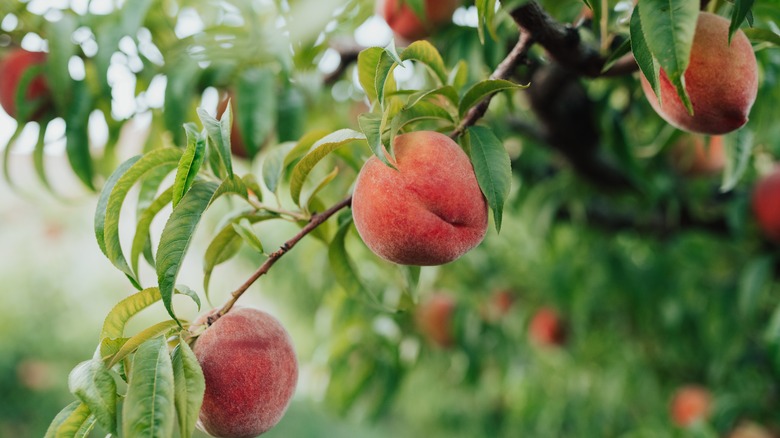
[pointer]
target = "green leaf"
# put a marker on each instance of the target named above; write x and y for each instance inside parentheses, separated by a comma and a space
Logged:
(342, 266)
(61, 49)
(128, 176)
(617, 54)
(39, 157)
(424, 52)
(244, 229)
(303, 146)
(738, 14)
(421, 111)
(367, 65)
(219, 133)
(738, 158)
(77, 425)
(141, 239)
(644, 58)
(179, 93)
(393, 52)
(226, 244)
(319, 150)
(149, 407)
(755, 279)
(481, 90)
(273, 165)
(250, 182)
(77, 135)
(418, 8)
(669, 27)
(92, 383)
(61, 417)
(290, 114)
(186, 290)
(459, 75)
(256, 107)
(102, 204)
(447, 91)
(176, 236)
(486, 12)
(189, 164)
(310, 199)
(764, 35)
(492, 167)
(189, 386)
(135, 341)
(371, 125)
(7, 153)
(116, 320)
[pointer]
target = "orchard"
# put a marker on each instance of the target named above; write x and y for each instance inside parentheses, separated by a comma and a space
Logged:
(383, 218)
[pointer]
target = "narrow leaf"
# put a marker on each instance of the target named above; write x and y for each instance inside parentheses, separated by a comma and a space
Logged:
(738, 15)
(255, 107)
(135, 341)
(738, 154)
(189, 387)
(481, 90)
(92, 383)
(141, 237)
(117, 318)
(492, 167)
(244, 229)
(273, 165)
(219, 133)
(644, 58)
(149, 406)
(371, 125)
(60, 418)
(189, 164)
(424, 52)
(367, 64)
(77, 424)
(319, 150)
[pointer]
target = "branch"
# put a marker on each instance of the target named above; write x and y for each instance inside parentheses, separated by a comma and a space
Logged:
(564, 45)
(504, 70)
(316, 220)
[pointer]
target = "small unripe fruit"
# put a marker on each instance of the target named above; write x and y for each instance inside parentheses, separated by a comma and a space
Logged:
(693, 156)
(721, 80)
(12, 70)
(250, 370)
(690, 404)
(546, 328)
(429, 211)
(766, 204)
(406, 24)
(434, 319)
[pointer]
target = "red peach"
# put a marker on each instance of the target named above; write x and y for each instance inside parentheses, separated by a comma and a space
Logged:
(250, 370)
(766, 204)
(689, 404)
(434, 319)
(12, 71)
(546, 328)
(406, 24)
(429, 211)
(721, 79)
(693, 157)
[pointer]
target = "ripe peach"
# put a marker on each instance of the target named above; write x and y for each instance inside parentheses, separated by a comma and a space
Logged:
(429, 211)
(498, 305)
(12, 71)
(434, 319)
(250, 370)
(690, 404)
(402, 19)
(237, 145)
(546, 328)
(766, 204)
(721, 79)
(693, 157)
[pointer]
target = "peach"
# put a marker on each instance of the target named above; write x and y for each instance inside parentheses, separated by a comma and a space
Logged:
(766, 204)
(427, 211)
(12, 71)
(250, 370)
(237, 145)
(498, 305)
(690, 404)
(434, 319)
(402, 19)
(546, 328)
(697, 155)
(721, 79)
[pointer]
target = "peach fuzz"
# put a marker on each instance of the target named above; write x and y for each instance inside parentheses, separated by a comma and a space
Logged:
(12, 70)
(766, 204)
(406, 24)
(429, 211)
(434, 319)
(250, 370)
(690, 404)
(721, 79)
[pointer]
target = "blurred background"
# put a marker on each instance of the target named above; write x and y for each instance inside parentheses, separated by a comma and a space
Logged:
(595, 305)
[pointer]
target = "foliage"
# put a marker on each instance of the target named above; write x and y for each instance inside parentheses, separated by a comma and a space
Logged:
(663, 280)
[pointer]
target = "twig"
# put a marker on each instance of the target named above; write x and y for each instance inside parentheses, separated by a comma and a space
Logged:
(316, 220)
(503, 71)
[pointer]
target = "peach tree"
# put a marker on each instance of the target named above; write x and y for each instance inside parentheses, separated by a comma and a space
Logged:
(549, 120)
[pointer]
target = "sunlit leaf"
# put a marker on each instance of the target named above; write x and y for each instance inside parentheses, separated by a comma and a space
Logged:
(189, 386)
(92, 383)
(148, 410)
